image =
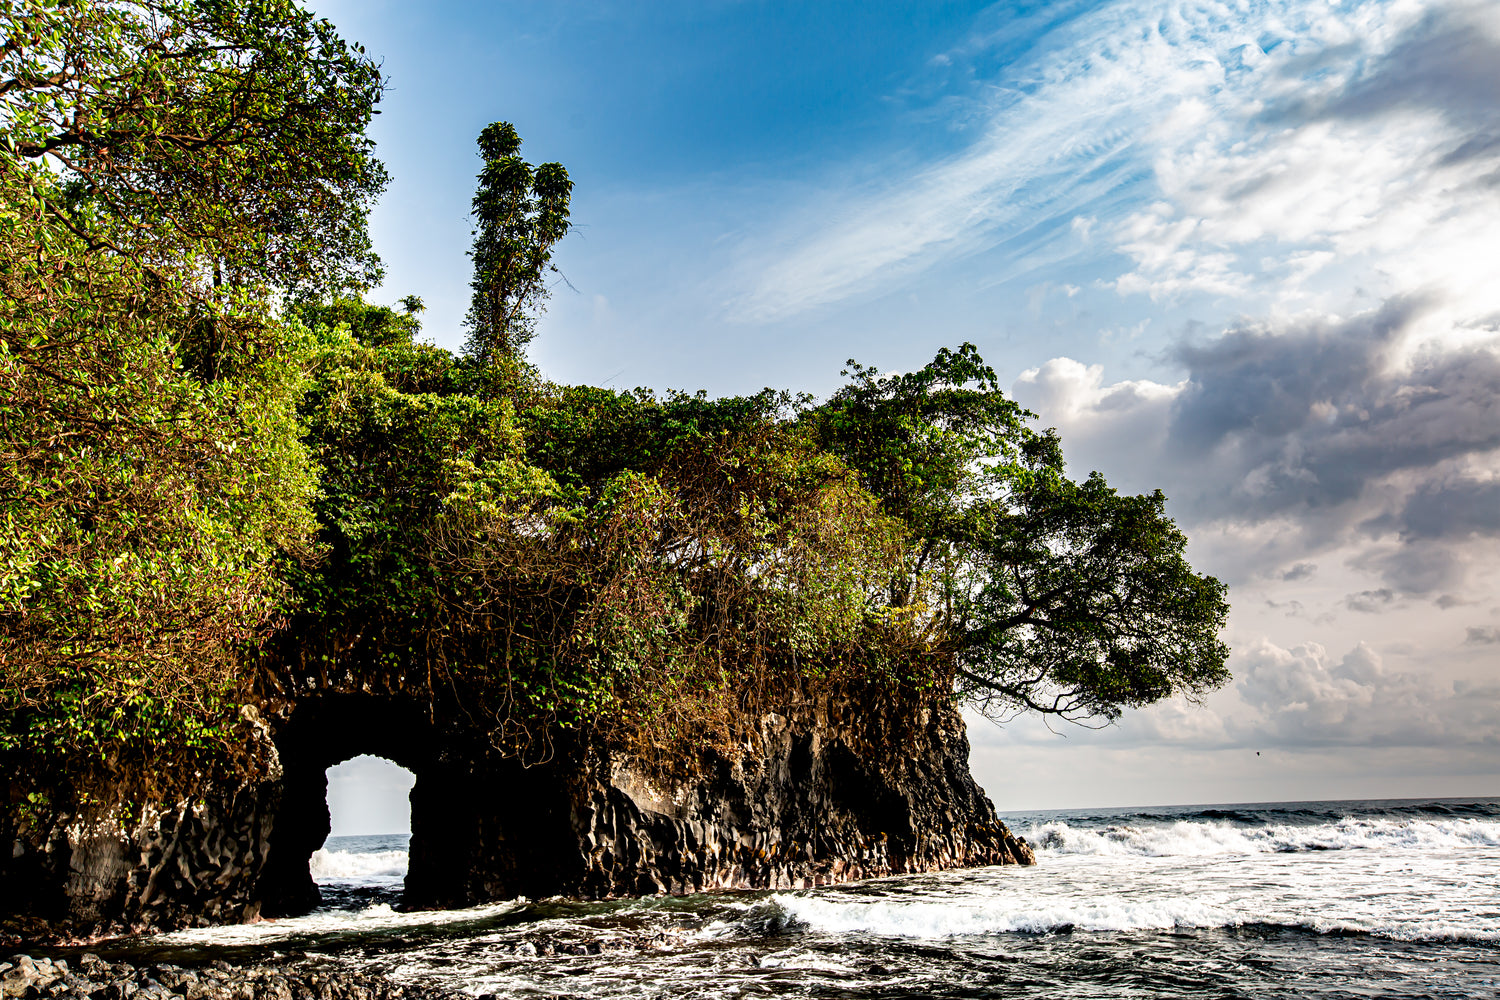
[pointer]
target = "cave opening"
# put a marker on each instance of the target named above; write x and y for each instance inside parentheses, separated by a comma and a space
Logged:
(483, 825)
(363, 862)
(352, 766)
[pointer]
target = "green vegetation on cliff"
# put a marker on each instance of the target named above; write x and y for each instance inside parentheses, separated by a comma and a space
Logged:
(169, 169)
(221, 470)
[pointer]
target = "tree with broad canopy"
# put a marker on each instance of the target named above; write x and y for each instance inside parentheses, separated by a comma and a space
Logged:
(1052, 596)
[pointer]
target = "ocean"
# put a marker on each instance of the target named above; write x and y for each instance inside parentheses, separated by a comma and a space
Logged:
(1298, 899)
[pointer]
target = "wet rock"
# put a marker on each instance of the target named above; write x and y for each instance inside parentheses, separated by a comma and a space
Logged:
(816, 804)
(224, 982)
(98, 871)
(22, 977)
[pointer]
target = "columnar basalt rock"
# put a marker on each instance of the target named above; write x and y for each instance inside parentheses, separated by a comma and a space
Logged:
(812, 800)
(808, 811)
(87, 872)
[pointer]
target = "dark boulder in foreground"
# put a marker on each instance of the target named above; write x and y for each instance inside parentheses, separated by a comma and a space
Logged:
(826, 795)
(22, 978)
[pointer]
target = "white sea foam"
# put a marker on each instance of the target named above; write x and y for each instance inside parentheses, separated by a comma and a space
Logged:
(326, 864)
(801, 958)
(1198, 839)
(1406, 930)
(937, 919)
(321, 925)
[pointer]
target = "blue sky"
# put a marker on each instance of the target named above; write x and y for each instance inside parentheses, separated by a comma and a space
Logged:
(708, 142)
(1241, 250)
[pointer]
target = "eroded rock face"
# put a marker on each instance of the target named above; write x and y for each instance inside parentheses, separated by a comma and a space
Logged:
(87, 873)
(806, 809)
(813, 800)
(812, 811)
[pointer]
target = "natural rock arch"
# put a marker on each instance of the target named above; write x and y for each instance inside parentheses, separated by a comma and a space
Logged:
(482, 826)
(811, 807)
(319, 733)
(811, 801)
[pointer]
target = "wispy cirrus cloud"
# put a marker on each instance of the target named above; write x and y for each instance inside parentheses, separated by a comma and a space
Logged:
(1062, 136)
(1230, 149)
(1373, 160)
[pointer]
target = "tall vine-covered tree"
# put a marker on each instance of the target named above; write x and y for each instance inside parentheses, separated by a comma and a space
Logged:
(168, 170)
(520, 213)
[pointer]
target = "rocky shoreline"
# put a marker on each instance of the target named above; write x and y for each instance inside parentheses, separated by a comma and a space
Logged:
(23, 977)
(838, 789)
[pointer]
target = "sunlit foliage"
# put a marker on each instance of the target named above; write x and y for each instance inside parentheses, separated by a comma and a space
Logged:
(169, 171)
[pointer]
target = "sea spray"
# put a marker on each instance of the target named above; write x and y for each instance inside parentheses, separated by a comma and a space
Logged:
(1297, 900)
(1185, 838)
(327, 865)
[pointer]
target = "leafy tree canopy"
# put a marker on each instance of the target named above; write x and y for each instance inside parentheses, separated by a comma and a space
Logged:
(652, 568)
(168, 170)
(221, 137)
(1051, 596)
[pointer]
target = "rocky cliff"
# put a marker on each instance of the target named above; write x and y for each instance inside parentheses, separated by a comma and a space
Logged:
(811, 800)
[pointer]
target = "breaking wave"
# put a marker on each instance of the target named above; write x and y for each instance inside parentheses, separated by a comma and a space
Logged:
(1197, 839)
(935, 919)
(326, 864)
